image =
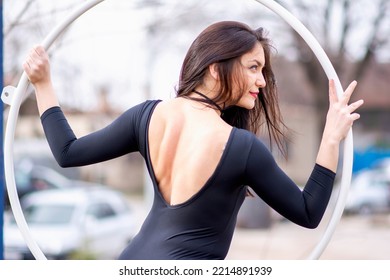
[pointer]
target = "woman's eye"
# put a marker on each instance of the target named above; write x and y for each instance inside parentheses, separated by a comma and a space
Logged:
(254, 67)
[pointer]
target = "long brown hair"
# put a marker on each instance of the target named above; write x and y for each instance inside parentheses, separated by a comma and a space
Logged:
(224, 43)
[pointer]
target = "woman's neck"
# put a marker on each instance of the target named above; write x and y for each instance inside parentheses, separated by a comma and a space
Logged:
(208, 100)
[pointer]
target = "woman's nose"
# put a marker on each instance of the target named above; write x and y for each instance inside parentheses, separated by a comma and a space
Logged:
(260, 82)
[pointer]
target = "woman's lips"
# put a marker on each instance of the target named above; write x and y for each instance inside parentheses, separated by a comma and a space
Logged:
(254, 94)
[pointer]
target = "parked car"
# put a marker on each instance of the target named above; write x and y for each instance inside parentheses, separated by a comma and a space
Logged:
(30, 177)
(91, 222)
(36, 178)
(382, 165)
(369, 193)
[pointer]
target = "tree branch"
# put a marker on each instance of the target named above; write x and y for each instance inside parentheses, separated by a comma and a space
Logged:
(12, 25)
(373, 43)
(339, 62)
(326, 25)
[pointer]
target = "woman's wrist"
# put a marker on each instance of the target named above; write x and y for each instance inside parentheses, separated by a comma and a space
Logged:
(328, 153)
(43, 86)
(45, 95)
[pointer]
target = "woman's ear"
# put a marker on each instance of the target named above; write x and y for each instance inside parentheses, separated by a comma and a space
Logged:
(213, 71)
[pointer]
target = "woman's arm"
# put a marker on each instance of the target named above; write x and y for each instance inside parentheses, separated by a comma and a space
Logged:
(304, 207)
(114, 140)
(118, 138)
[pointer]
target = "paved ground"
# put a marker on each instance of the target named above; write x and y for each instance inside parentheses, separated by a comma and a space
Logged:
(355, 238)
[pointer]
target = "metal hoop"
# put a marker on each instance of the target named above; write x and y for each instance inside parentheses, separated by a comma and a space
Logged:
(15, 96)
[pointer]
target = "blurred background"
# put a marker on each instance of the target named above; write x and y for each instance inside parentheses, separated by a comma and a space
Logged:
(123, 52)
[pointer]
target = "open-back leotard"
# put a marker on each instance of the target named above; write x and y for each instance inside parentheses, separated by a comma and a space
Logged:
(202, 227)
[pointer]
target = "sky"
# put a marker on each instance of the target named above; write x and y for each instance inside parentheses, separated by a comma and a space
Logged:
(107, 47)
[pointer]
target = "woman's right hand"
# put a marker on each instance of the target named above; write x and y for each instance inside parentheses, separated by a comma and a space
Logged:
(37, 68)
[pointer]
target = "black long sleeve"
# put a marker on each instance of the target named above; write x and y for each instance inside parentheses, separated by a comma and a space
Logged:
(304, 207)
(118, 138)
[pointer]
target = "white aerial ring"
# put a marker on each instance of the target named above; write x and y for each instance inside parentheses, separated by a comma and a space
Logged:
(15, 96)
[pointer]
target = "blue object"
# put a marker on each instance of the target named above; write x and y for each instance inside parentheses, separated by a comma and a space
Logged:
(369, 157)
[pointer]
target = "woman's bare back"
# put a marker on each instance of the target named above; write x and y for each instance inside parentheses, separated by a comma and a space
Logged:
(186, 142)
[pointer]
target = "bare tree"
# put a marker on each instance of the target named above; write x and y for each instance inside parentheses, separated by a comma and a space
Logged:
(25, 22)
(353, 34)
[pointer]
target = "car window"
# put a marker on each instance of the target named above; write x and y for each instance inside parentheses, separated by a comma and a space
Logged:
(39, 184)
(49, 177)
(22, 180)
(49, 214)
(101, 210)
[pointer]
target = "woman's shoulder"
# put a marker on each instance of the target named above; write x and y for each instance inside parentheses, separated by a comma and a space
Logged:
(243, 135)
(147, 105)
(244, 139)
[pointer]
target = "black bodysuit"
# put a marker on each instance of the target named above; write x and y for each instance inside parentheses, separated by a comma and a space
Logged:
(202, 227)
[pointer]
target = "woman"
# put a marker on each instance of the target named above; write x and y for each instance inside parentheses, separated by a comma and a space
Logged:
(200, 147)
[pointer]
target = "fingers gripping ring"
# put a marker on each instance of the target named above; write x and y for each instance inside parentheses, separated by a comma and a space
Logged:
(15, 96)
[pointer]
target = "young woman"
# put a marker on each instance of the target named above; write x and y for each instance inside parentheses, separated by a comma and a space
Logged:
(200, 147)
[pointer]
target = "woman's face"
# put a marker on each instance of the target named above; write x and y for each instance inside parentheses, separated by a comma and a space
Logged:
(252, 64)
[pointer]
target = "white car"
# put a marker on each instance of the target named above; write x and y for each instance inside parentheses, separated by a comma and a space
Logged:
(369, 193)
(91, 222)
